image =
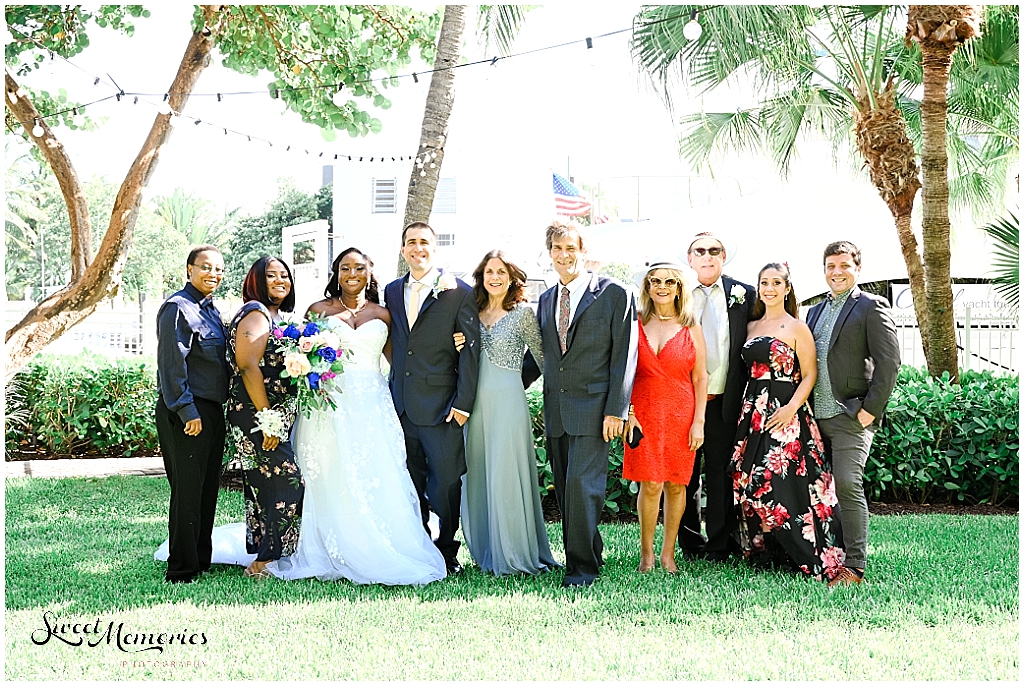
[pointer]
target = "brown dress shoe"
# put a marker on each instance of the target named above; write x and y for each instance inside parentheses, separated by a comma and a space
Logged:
(845, 577)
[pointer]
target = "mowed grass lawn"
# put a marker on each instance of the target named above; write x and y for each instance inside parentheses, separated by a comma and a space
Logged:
(941, 603)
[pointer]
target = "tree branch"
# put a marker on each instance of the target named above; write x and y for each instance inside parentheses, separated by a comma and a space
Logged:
(62, 310)
(387, 21)
(70, 185)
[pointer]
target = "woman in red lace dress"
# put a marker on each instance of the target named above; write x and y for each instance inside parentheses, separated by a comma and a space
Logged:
(669, 397)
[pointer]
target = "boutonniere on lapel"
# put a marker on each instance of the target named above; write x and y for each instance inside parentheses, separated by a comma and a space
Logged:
(444, 282)
(737, 294)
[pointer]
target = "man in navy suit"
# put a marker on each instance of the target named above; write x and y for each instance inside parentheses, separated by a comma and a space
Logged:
(588, 326)
(722, 305)
(433, 384)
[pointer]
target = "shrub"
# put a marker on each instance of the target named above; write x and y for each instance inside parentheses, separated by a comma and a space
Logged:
(942, 442)
(68, 405)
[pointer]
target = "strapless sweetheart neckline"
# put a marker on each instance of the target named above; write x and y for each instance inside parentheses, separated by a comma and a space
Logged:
(354, 328)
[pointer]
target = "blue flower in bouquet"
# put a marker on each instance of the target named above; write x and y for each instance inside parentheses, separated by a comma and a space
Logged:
(314, 380)
(292, 332)
(327, 353)
(311, 329)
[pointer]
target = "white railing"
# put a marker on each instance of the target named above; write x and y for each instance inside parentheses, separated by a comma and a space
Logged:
(110, 330)
(984, 341)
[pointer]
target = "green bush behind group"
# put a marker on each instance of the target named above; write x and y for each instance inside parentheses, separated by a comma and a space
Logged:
(940, 442)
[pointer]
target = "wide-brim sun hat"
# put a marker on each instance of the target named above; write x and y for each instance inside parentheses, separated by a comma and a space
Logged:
(665, 262)
(727, 242)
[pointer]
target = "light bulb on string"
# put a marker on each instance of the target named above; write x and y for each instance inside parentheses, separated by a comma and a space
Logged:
(163, 108)
(434, 155)
(423, 173)
(20, 92)
(78, 119)
(693, 29)
(38, 130)
(13, 96)
(433, 166)
(338, 98)
(175, 120)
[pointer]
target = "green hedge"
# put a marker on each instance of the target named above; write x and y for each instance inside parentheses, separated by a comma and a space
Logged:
(71, 405)
(940, 442)
(943, 442)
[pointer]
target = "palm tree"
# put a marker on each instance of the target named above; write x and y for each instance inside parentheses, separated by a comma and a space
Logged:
(1005, 235)
(191, 216)
(826, 71)
(497, 24)
(940, 30)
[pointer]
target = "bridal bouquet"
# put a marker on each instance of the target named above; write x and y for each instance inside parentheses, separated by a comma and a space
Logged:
(312, 360)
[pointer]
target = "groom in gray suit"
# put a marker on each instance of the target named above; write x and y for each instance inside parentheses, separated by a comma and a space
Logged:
(588, 325)
(858, 359)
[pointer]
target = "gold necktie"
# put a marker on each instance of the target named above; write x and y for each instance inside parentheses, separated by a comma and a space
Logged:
(414, 302)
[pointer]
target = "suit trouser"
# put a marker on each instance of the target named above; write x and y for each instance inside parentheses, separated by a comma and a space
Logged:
(436, 459)
(849, 444)
(719, 511)
(193, 466)
(579, 465)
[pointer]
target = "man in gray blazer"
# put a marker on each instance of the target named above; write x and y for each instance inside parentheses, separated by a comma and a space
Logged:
(858, 359)
(588, 326)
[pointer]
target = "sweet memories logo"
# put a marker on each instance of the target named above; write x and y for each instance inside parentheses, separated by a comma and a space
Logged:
(93, 634)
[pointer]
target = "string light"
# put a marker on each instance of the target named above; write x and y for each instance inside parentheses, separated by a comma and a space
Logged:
(339, 98)
(692, 30)
(163, 108)
(38, 130)
(78, 119)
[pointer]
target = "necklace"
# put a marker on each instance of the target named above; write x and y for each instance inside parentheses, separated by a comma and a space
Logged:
(665, 319)
(352, 311)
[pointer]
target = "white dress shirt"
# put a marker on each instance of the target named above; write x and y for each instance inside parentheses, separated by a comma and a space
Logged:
(428, 280)
(716, 380)
(577, 287)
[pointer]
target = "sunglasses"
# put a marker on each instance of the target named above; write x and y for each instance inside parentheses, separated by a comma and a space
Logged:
(657, 283)
(714, 252)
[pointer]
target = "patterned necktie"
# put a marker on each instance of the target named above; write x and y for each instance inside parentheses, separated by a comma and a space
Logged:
(709, 322)
(414, 302)
(563, 318)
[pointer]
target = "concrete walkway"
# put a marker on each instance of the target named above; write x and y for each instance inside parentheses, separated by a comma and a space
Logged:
(95, 467)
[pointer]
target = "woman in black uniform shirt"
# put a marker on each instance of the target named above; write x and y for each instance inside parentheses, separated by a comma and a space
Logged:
(192, 376)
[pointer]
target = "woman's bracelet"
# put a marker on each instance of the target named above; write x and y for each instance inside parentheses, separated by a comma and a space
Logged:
(631, 413)
(271, 422)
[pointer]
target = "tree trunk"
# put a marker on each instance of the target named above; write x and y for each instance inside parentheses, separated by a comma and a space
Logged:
(935, 221)
(434, 130)
(940, 29)
(892, 165)
(67, 178)
(101, 277)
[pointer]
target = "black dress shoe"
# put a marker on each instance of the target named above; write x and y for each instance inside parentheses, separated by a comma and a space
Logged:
(453, 567)
(180, 579)
(577, 583)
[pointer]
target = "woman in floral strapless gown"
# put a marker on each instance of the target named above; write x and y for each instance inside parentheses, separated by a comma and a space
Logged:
(782, 476)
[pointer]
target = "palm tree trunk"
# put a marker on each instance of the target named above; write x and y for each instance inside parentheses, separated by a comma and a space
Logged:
(940, 29)
(935, 222)
(892, 165)
(102, 277)
(434, 130)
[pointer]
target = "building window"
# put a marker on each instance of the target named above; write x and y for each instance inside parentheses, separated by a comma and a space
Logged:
(445, 239)
(444, 198)
(385, 196)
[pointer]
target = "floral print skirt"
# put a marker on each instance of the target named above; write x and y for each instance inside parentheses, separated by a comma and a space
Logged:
(273, 488)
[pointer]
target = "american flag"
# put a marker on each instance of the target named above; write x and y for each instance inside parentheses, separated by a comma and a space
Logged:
(568, 200)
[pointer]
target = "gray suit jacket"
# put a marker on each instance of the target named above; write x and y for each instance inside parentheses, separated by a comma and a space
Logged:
(863, 353)
(594, 378)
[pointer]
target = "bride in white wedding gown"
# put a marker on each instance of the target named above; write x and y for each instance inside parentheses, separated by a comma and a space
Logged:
(361, 515)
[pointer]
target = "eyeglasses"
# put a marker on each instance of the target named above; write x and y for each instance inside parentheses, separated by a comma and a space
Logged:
(208, 269)
(714, 252)
(657, 283)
